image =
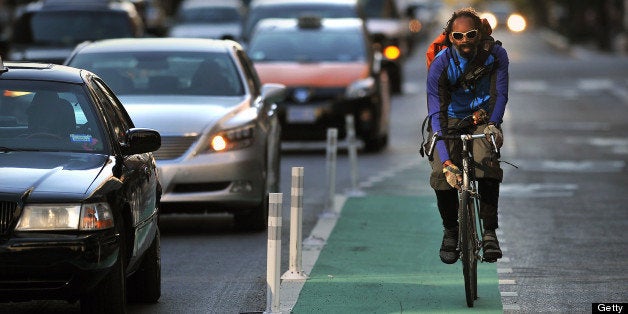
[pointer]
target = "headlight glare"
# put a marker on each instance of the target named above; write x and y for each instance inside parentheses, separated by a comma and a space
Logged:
(392, 52)
(232, 139)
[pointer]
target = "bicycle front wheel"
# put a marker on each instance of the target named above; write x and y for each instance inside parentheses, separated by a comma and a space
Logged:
(468, 247)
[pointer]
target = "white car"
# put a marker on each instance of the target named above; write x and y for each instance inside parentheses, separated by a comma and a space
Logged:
(220, 133)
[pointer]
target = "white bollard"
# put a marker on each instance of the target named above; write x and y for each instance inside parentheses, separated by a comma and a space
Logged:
(353, 157)
(273, 260)
(332, 149)
(295, 270)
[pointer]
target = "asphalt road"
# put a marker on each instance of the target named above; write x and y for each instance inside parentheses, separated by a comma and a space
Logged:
(562, 212)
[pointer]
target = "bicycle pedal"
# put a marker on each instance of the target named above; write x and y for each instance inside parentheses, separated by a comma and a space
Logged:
(492, 260)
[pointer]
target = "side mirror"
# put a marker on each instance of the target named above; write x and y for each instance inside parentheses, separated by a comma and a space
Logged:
(139, 141)
(272, 92)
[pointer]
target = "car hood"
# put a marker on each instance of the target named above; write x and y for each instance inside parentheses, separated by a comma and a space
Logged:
(176, 115)
(323, 74)
(207, 30)
(64, 175)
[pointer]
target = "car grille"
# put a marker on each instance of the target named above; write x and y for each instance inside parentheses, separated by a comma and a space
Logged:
(6, 215)
(173, 147)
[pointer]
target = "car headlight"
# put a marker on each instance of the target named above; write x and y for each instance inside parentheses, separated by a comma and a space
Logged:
(47, 217)
(392, 52)
(232, 139)
(361, 88)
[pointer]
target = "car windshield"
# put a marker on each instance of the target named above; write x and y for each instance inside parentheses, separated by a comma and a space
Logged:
(209, 15)
(379, 9)
(164, 73)
(297, 10)
(308, 46)
(69, 28)
(47, 116)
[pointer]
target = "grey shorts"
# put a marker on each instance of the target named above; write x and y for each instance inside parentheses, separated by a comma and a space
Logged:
(487, 165)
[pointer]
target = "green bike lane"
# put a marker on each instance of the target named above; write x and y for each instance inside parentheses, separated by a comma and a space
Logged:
(382, 257)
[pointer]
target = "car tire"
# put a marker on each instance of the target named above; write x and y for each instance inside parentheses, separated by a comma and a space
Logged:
(145, 283)
(110, 294)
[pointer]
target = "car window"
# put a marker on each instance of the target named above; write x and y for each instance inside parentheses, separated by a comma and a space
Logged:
(71, 27)
(118, 120)
(47, 116)
(249, 69)
(164, 73)
(308, 46)
(380, 9)
(210, 14)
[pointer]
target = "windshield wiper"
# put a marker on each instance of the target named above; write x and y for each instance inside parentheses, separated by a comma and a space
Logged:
(5, 149)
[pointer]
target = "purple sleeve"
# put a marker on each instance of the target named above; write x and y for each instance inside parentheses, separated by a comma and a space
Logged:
(501, 84)
(434, 106)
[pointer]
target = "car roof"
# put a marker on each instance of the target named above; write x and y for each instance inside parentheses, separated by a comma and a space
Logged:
(287, 2)
(82, 5)
(214, 3)
(326, 23)
(159, 44)
(41, 71)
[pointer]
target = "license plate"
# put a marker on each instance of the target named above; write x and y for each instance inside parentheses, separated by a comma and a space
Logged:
(302, 114)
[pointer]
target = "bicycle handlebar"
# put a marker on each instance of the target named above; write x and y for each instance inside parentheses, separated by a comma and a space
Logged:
(464, 137)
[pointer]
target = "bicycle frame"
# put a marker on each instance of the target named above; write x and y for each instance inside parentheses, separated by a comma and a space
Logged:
(469, 241)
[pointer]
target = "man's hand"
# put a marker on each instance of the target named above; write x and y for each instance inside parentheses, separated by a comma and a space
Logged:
(480, 117)
(499, 137)
(452, 174)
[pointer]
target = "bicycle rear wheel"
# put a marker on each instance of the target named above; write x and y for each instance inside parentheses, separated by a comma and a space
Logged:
(468, 247)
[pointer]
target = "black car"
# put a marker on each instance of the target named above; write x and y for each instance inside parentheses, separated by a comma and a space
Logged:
(48, 30)
(79, 192)
(389, 28)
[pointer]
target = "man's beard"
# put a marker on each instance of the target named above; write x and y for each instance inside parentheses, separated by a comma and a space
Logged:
(467, 51)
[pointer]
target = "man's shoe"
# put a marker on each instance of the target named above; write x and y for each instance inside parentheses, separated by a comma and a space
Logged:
(449, 248)
(490, 245)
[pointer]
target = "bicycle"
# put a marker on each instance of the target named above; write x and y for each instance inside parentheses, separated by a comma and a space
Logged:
(469, 241)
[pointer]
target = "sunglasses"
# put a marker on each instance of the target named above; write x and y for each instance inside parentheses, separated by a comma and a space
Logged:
(470, 34)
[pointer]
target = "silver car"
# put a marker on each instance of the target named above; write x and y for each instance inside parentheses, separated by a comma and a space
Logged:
(220, 133)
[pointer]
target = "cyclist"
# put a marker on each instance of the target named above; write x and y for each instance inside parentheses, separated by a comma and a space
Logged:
(467, 84)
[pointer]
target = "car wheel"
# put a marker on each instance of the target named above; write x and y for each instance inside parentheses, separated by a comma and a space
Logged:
(145, 284)
(110, 295)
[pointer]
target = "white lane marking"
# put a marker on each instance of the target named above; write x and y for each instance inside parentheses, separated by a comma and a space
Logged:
(529, 86)
(588, 166)
(537, 189)
(511, 307)
(507, 282)
(593, 84)
(509, 294)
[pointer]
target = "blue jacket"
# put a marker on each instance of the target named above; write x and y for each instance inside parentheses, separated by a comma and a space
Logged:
(447, 98)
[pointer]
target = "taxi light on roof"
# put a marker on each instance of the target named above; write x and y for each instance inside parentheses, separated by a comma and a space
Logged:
(310, 21)
(392, 52)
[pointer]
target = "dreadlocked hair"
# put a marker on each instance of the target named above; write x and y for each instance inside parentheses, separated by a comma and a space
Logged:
(466, 12)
